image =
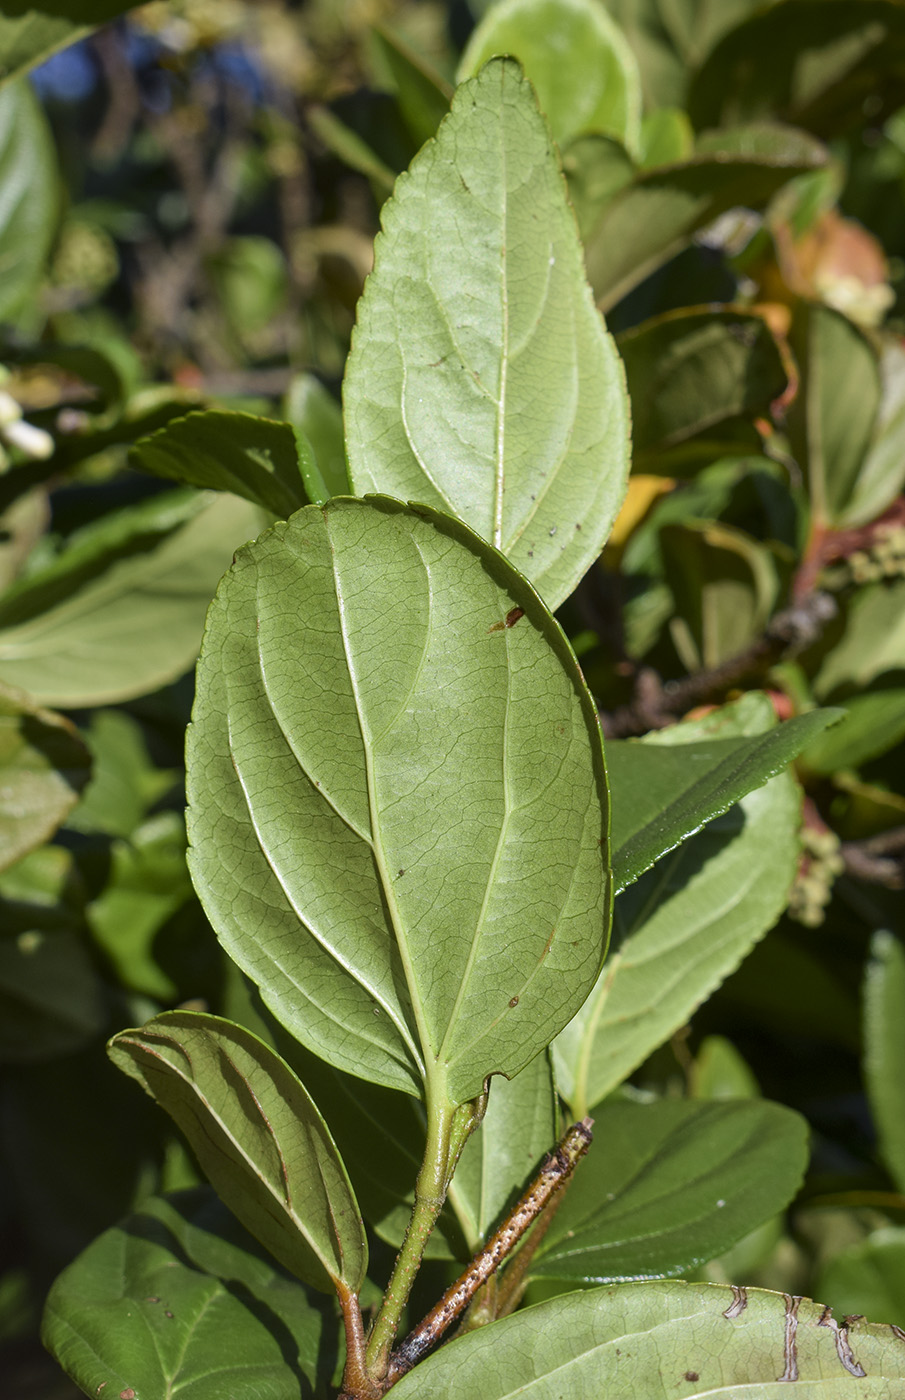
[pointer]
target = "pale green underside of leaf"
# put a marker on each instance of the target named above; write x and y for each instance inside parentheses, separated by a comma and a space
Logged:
(576, 58)
(503, 1154)
(658, 1341)
(178, 1301)
(135, 626)
(481, 378)
(397, 800)
(28, 195)
(683, 927)
(258, 1137)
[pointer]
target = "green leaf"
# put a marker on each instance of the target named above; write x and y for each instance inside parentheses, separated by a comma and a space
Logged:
(681, 929)
(258, 1138)
(313, 412)
(670, 41)
(596, 168)
(655, 216)
(665, 1340)
(869, 1278)
(255, 458)
(51, 999)
(28, 178)
(881, 475)
(124, 784)
(720, 1072)
(872, 724)
(690, 370)
(667, 137)
(872, 640)
(148, 882)
(481, 378)
(410, 787)
(249, 277)
(832, 418)
(43, 767)
(667, 1186)
(667, 785)
(422, 94)
(576, 58)
(502, 1155)
(130, 628)
(884, 1056)
(726, 586)
(833, 56)
(177, 1299)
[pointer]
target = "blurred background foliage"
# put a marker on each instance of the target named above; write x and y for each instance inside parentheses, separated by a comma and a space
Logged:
(189, 196)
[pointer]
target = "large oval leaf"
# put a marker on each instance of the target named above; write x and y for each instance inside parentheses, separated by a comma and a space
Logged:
(259, 1138)
(659, 1341)
(481, 378)
(685, 925)
(577, 59)
(398, 804)
(178, 1300)
(125, 624)
(668, 1186)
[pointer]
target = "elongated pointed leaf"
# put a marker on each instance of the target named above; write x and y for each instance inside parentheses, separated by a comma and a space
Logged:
(667, 785)
(659, 212)
(884, 1052)
(394, 745)
(178, 1300)
(127, 628)
(255, 458)
(258, 1137)
(682, 928)
(481, 378)
(665, 1340)
(586, 77)
(317, 417)
(28, 178)
(43, 767)
(881, 475)
(502, 1155)
(668, 1186)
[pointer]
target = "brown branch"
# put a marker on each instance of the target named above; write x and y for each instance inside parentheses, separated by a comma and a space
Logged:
(879, 859)
(656, 705)
(556, 1169)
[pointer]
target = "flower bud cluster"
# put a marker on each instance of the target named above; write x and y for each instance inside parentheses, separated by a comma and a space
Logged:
(821, 861)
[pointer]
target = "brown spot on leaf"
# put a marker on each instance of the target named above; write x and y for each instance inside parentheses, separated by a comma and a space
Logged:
(513, 1001)
(692, 1376)
(512, 618)
(128, 1394)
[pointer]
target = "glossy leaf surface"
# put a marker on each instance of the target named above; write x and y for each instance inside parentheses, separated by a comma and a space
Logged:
(682, 928)
(481, 378)
(884, 1052)
(394, 745)
(667, 1186)
(178, 1300)
(127, 618)
(258, 1137)
(255, 458)
(660, 1340)
(667, 785)
(28, 210)
(576, 59)
(656, 215)
(44, 765)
